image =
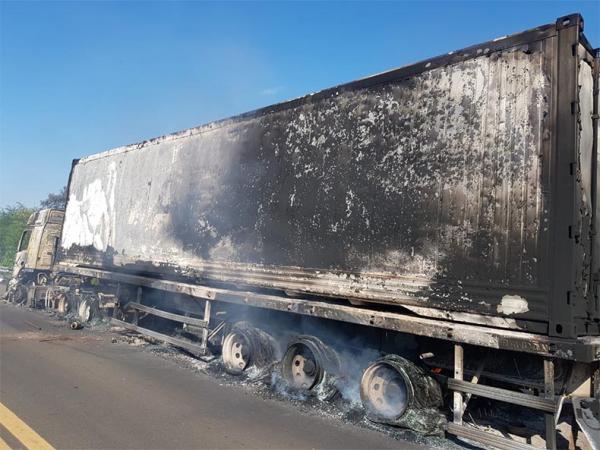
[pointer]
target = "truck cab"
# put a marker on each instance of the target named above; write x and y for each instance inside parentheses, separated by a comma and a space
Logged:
(38, 245)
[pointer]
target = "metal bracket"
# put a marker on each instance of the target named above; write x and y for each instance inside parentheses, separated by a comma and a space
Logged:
(167, 315)
(588, 419)
(504, 395)
(186, 345)
(546, 403)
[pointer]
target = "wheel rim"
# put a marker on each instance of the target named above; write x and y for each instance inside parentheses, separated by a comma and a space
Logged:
(62, 305)
(302, 369)
(236, 352)
(85, 311)
(384, 391)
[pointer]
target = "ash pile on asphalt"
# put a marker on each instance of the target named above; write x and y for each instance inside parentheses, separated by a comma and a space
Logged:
(268, 384)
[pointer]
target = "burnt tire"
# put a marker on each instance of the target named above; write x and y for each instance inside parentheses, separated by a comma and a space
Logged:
(88, 309)
(397, 392)
(17, 294)
(246, 346)
(306, 363)
(62, 304)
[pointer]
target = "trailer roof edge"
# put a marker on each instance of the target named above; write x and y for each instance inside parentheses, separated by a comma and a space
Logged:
(453, 57)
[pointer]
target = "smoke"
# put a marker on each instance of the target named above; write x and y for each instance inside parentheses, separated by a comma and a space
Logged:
(355, 347)
(354, 364)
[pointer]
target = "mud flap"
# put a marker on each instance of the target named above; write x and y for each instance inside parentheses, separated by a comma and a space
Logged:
(587, 415)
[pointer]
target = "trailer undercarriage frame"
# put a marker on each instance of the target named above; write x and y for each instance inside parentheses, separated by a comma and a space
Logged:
(584, 349)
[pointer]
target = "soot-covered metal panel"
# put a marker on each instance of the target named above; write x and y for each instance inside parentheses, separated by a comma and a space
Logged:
(585, 174)
(424, 190)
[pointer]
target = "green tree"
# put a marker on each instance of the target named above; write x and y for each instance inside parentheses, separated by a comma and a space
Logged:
(13, 220)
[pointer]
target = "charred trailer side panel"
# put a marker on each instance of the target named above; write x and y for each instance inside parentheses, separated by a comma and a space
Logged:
(465, 183)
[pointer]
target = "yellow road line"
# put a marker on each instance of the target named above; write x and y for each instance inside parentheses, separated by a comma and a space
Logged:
(23, 432)
(4, 445)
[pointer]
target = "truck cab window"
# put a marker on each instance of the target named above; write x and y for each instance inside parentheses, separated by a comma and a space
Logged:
(24, 242)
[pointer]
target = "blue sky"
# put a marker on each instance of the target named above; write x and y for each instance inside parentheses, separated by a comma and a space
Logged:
(80, 77)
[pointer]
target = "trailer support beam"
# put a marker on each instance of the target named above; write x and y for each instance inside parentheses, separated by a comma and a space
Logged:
(205, 330)
(584, 349)
(458, 375)
(550, 418)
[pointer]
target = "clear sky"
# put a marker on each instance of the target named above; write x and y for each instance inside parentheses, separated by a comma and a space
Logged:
(81, 77)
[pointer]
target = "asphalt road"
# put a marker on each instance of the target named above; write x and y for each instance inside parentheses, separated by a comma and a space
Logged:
(79, 390)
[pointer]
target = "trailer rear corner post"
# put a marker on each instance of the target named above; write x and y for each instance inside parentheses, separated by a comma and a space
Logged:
(564, 155)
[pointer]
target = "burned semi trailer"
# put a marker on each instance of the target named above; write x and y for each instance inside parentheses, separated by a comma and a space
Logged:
(455, 199)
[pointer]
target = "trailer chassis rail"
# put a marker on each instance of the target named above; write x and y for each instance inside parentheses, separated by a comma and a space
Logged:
(583, 349)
